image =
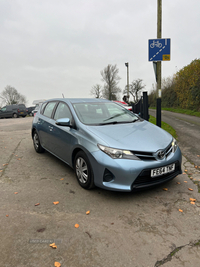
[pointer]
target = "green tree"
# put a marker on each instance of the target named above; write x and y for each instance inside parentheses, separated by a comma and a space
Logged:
(188, 85)
(111, 79)
(11, 96)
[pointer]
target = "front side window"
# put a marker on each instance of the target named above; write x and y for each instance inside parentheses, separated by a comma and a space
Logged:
(3, 109)
(62, 111)
(49, 109)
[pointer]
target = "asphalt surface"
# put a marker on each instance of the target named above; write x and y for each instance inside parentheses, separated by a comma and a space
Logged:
(188, 131)
(146, 229)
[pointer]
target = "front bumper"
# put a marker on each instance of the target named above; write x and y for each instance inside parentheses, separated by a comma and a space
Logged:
(131, 175)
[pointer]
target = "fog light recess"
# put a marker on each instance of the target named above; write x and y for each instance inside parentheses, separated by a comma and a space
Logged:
(108, 176)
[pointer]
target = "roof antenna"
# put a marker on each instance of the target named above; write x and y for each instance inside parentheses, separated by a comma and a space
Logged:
(63, 96)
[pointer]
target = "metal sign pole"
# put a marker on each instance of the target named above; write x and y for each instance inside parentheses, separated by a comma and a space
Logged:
(158, 67)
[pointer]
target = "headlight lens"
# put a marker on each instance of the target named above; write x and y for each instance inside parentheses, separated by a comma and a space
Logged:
(115, 153)
(174, 145)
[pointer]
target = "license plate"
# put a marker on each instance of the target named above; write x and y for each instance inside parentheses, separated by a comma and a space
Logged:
(21, 112)
(162, 170)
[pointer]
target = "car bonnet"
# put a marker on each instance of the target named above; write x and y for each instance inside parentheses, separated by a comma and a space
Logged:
(137, 136)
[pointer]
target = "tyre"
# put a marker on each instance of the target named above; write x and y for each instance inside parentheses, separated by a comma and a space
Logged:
(15, 115)
(36, 143)
(83, 170)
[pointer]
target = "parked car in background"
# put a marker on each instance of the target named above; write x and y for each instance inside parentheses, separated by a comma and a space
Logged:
(29, 110)
(124, 104)
(37, 104)
(13, 111)
(35, 110)
(107, 145)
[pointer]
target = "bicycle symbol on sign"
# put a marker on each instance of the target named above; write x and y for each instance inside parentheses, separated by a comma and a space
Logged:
(156, 43)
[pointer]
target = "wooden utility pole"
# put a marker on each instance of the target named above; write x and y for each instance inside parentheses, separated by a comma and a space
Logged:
(158, 69)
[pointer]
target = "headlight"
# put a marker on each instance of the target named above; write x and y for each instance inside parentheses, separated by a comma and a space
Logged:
(115, 153)
(174, 145)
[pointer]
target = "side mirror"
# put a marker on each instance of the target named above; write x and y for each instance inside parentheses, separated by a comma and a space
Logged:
(63, 122)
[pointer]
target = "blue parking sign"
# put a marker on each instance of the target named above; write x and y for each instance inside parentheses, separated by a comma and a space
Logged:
(159, 49)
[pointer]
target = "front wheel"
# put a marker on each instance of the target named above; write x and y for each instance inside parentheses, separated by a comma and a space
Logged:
(36, 143)
(83, 169)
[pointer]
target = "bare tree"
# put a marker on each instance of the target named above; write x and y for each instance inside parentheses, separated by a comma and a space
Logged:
(96, 91)
(111, 79)
(11, 96)
(134, 88)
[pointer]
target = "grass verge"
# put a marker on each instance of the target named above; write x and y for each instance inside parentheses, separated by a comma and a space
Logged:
(164, 126)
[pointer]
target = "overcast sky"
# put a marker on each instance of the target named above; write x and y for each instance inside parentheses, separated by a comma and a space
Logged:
(54, 47)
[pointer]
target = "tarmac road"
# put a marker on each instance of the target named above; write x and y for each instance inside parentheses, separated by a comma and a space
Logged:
(144, 229)
(188, 131)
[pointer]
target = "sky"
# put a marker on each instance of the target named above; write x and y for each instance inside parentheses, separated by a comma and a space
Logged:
(50, 48)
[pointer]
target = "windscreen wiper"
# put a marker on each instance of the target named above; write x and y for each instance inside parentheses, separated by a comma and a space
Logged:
(117, 115)
(106, 123)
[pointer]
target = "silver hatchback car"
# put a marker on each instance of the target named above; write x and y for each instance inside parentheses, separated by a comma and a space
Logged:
(107, 145)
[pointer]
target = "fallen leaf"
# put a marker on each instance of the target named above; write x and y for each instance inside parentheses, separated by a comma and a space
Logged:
(185, 170)
(7, 215)
(192, 202)
(87, 212)
(192, 199)
(195, 166)
(178, 182)
(56, 202)
(190, 189)
(19, 158)
(76, 225)
(191, 178)
(53, 245)
(1, 170)
(185, 181)
(180, 210)
(165, 189)
(62, 179)
(57, 264)
(194, 179)
(198, 155)
(5, 164)
(16, 193)
(37, 204)
(184, 173)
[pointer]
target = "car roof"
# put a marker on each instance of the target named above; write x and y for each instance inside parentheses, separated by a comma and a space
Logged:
(79, 100)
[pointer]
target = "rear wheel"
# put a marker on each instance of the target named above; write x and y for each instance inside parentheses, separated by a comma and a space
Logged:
(36, 143)
(83, 169)
(15, 115)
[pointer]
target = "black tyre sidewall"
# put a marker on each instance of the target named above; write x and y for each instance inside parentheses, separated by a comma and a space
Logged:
(38, 149)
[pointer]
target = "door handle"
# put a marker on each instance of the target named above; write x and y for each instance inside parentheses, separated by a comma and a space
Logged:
(50, 128)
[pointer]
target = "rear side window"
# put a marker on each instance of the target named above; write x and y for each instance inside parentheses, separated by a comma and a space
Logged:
(49, 109)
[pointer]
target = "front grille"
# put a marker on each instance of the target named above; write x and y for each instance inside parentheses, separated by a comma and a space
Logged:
(144, 178)
(144, 155)
(152, 155)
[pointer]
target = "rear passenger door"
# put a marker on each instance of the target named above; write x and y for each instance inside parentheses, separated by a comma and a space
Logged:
(46, 125)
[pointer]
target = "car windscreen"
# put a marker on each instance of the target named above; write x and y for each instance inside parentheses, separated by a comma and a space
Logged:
(103, 113)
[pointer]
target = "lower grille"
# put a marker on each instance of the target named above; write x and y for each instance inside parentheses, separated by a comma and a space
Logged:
(144, 179)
